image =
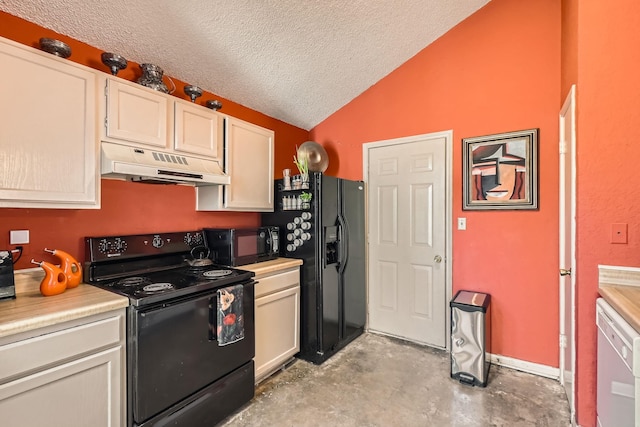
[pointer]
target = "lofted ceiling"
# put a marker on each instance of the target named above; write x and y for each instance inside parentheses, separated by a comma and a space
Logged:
(295, 60)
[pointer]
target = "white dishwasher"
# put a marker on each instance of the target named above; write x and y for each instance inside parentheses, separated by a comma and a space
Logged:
(617, 392)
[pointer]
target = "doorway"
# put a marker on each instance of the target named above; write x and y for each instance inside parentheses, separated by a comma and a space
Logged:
(567, 247)
(409, 236)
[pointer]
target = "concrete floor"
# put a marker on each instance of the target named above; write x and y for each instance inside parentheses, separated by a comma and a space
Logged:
(381, 381)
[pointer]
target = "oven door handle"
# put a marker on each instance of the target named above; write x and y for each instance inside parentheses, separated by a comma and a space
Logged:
(213, 318)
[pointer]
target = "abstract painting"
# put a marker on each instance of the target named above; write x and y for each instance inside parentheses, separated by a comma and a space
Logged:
(501, 171)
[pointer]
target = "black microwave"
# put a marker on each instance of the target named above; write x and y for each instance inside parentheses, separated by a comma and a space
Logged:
(240, 246)
(7, 285)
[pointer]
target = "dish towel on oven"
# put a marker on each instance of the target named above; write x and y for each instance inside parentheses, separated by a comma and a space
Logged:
(230, 315)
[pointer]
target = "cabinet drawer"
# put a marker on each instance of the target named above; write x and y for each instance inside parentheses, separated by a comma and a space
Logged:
(31, 354)
(270, 284)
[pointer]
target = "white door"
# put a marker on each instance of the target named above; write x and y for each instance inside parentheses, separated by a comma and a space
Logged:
(408, 234)
(567, 247)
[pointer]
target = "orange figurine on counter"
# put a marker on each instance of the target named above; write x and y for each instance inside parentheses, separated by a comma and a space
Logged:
(54, 282)
(69, 266)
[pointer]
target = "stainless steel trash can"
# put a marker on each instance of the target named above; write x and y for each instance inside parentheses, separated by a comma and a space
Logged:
(470, 337)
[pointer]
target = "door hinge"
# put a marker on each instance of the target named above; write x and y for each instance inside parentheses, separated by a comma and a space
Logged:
(563, 341)
(106, 105)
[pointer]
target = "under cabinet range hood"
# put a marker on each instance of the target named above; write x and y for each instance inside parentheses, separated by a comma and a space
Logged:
(159, 167)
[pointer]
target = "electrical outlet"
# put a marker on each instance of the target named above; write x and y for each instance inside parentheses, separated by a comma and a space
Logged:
(18, 237)
(618, 233)
(462, 223)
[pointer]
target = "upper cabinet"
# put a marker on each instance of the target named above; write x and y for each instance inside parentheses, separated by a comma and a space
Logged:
(249, 152)
(48, 136)
(55, 113)
(134, 114)
(138, 115)
(198, 130)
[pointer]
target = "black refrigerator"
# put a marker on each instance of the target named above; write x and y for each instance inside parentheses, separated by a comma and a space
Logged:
(327, 233)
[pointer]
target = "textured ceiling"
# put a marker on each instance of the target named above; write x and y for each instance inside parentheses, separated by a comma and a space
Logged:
(296, 60)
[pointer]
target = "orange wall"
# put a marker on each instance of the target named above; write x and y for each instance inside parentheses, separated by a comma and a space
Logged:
(497, 71)
(127, 208)
(608, 108)
(569, 74)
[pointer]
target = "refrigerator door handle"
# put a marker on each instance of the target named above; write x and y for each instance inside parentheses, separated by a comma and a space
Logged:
(344, 243)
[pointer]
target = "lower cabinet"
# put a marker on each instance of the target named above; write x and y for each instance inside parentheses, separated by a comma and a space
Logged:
(277, 314)
(68, 377)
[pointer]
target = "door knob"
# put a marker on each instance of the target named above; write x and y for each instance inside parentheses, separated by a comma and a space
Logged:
(565, 272)
(437, 259)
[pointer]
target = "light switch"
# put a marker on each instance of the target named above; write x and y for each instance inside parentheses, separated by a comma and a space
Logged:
(462, 223)
(18, 237)
(618, 233)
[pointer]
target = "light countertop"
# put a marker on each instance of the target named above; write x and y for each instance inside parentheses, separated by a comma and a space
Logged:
(620, 287)
(31, 310)
(271, 266)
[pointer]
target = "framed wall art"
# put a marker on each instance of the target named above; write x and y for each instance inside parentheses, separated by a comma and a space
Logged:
(500, 171)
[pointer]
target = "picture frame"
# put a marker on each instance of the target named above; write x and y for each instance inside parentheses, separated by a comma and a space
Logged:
(500, 171)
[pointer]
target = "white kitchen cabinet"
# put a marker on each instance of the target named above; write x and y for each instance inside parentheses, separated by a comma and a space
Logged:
(277, 316)
(136, 115)
(249, 153)
(198, 130)
(70, 375)
(48, 136)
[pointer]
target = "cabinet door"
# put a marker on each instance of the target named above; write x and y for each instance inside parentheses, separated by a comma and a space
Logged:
(48, 136)
(136, 114)
(277, 330)
(198, 130)
(249, 163)
(83, 392)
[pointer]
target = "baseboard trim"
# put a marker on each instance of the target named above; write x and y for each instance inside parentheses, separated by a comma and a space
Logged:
(496, 359)
(524, 366)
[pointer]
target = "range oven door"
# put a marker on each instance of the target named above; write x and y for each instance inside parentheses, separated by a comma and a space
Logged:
(172, 354)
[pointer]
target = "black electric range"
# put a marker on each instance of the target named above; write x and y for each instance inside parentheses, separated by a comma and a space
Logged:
(190, 326)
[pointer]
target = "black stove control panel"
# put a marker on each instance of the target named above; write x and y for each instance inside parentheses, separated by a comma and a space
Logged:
(140, 245)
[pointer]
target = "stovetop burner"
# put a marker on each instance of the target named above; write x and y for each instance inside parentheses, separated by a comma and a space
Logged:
(214, 274)
(131, 281)
(157, 287)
